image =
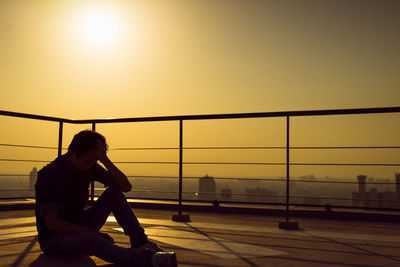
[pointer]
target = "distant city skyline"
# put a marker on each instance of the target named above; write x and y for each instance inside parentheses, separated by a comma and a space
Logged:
(362, 191)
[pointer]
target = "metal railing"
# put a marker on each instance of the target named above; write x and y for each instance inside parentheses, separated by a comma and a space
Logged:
(181, 119)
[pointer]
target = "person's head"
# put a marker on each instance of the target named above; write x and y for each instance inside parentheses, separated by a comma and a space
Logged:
(82, 152)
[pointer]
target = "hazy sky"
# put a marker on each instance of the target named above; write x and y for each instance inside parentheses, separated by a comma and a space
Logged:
(191, 57)
(97, 59)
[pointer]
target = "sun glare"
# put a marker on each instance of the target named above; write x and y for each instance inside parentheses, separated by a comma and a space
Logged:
(100, 27)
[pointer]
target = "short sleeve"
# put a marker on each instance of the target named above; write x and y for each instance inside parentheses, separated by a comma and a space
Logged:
(46, 193)
(100, 174)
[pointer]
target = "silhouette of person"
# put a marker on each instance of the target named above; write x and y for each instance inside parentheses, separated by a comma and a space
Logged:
(66, 228)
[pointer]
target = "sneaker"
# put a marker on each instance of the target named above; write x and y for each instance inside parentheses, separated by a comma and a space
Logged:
(150, 245)
(164, 259)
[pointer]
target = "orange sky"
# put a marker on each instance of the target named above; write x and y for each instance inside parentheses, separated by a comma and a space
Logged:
(202, 57)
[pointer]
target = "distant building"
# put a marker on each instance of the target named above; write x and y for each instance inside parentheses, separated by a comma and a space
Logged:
(362, 188)
(225, 194)
(259, 194)
(207, 188)
(375, 199)
(32, 178)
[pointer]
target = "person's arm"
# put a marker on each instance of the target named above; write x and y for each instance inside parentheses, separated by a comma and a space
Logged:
(56, 224)
(117, 177)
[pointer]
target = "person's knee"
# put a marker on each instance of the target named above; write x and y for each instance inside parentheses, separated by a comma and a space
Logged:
(114, 192)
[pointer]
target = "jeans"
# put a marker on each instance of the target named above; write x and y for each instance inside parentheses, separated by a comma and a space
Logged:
(89, 243)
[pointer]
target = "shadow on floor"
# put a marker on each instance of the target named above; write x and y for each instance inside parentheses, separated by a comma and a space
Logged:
(79, 261)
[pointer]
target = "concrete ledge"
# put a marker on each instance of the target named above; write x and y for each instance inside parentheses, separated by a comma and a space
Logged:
(289, 225)
(321, 214)
(16, 206)
(357, 215)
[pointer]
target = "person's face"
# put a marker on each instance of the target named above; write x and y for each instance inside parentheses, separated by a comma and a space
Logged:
(84, 162)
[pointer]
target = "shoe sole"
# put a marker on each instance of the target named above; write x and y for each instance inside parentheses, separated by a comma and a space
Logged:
(171, 261)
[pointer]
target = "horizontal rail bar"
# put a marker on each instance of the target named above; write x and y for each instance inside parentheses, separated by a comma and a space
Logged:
(26, 146)
(233, 178)
(196, 148)
(347, 164)
(199, 193)
(260, 147)
(32, 116)
(250, 115)
(198, 177)
(257, 179)
(283, 180)
(230, 163)
(345, 147)
(13, 174)
(25, 160)
(146, 162)
(260, 163)
(223, 148)
(145, 148)
(213, 116)
(342, 182)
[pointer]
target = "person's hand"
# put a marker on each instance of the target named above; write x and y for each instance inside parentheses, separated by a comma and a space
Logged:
(106, 236)
(101, 151)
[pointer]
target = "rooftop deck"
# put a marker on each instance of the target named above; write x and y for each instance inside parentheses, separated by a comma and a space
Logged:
(212, 239)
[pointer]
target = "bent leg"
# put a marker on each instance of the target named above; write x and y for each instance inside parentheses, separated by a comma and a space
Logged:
(113, 200)
(90, 244)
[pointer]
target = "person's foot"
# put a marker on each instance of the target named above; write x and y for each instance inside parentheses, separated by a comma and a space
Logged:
(150, 245)
(164, 259)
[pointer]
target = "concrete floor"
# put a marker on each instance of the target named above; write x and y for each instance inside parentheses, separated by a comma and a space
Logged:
(225, 240)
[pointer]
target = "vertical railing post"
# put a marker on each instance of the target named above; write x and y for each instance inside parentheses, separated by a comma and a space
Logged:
(60, 135)
(179, 217)
(288, 225)
(180, 166)
(92, 183)
(287, 167)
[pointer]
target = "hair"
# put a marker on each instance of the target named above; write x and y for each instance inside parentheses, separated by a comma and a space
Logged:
(85, 141)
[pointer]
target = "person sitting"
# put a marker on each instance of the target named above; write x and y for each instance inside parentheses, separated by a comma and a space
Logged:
(66, 228)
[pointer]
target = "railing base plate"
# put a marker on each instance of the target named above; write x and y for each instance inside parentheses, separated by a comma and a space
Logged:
(289, 225)
(181, 218)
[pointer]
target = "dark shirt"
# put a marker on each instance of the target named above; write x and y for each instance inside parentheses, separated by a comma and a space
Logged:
(60, 188)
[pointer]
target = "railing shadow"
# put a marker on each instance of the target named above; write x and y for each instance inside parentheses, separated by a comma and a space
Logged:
(363, 250)
(26, 251)
(219, 243)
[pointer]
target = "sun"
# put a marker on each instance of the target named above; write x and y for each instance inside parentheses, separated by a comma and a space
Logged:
(99, 27)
